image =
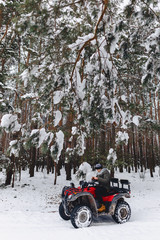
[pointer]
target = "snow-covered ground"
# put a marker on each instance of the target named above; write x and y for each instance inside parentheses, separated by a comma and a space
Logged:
(30, 211)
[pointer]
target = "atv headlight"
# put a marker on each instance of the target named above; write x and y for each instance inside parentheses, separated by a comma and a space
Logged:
(70, 196)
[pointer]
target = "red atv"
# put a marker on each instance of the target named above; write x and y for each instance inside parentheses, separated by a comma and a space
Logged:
(80, 204)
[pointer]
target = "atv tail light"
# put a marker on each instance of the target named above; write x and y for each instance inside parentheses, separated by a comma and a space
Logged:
(127, 195)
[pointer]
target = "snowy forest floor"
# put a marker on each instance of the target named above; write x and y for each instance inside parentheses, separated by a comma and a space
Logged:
(30, 211)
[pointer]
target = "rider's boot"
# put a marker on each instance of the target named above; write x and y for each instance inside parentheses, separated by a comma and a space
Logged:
(102, 208)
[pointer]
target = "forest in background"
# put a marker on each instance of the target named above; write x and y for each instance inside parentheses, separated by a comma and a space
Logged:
(79, 81)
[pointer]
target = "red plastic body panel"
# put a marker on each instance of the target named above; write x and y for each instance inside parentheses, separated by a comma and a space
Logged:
(108, 198)
(90, 190)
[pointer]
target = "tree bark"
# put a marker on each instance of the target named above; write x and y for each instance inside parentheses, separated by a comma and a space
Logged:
(33, 160)
(68, 171)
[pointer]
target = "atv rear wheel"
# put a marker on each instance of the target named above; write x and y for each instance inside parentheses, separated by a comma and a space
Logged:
(62, 213)
(81, 216)
(122, 212)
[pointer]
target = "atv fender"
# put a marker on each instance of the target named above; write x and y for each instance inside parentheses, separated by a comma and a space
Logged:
(88, 198)
(117, 198)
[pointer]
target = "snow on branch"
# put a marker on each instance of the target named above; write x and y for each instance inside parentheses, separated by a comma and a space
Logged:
(122, 137)
(14, 148)
(57, 148)
(38, 137)
(91, 38)
(10, 123)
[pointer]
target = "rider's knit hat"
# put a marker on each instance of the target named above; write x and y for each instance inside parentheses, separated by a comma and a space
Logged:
(98, 166)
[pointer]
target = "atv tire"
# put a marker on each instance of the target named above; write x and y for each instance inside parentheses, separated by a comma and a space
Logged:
(62, 213)
(122, 212)
(81, 216)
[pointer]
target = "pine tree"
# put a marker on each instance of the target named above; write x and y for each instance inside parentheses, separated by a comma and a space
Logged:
(87, 71)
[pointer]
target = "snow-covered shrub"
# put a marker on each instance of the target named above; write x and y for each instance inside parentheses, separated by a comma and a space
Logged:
(84, 172)
(112, 156)
(142, 175)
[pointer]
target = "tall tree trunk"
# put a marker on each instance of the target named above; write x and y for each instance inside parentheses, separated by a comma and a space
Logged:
(9, 171)
(55, 173)
(134, 148)
(141, 152)
(33, 161)
(103, 141)
(13, 178)
(148, 154)
(68, 171)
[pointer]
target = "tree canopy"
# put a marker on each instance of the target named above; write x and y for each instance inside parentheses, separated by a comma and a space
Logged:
(79, 81)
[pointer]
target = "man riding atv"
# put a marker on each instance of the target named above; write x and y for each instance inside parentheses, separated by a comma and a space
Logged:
(80, 204)
(103, 178)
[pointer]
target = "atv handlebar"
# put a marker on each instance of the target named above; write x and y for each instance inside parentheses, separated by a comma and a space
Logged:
(84, 184)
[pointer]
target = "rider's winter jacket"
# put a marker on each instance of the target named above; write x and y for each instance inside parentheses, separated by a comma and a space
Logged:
(104, 178)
